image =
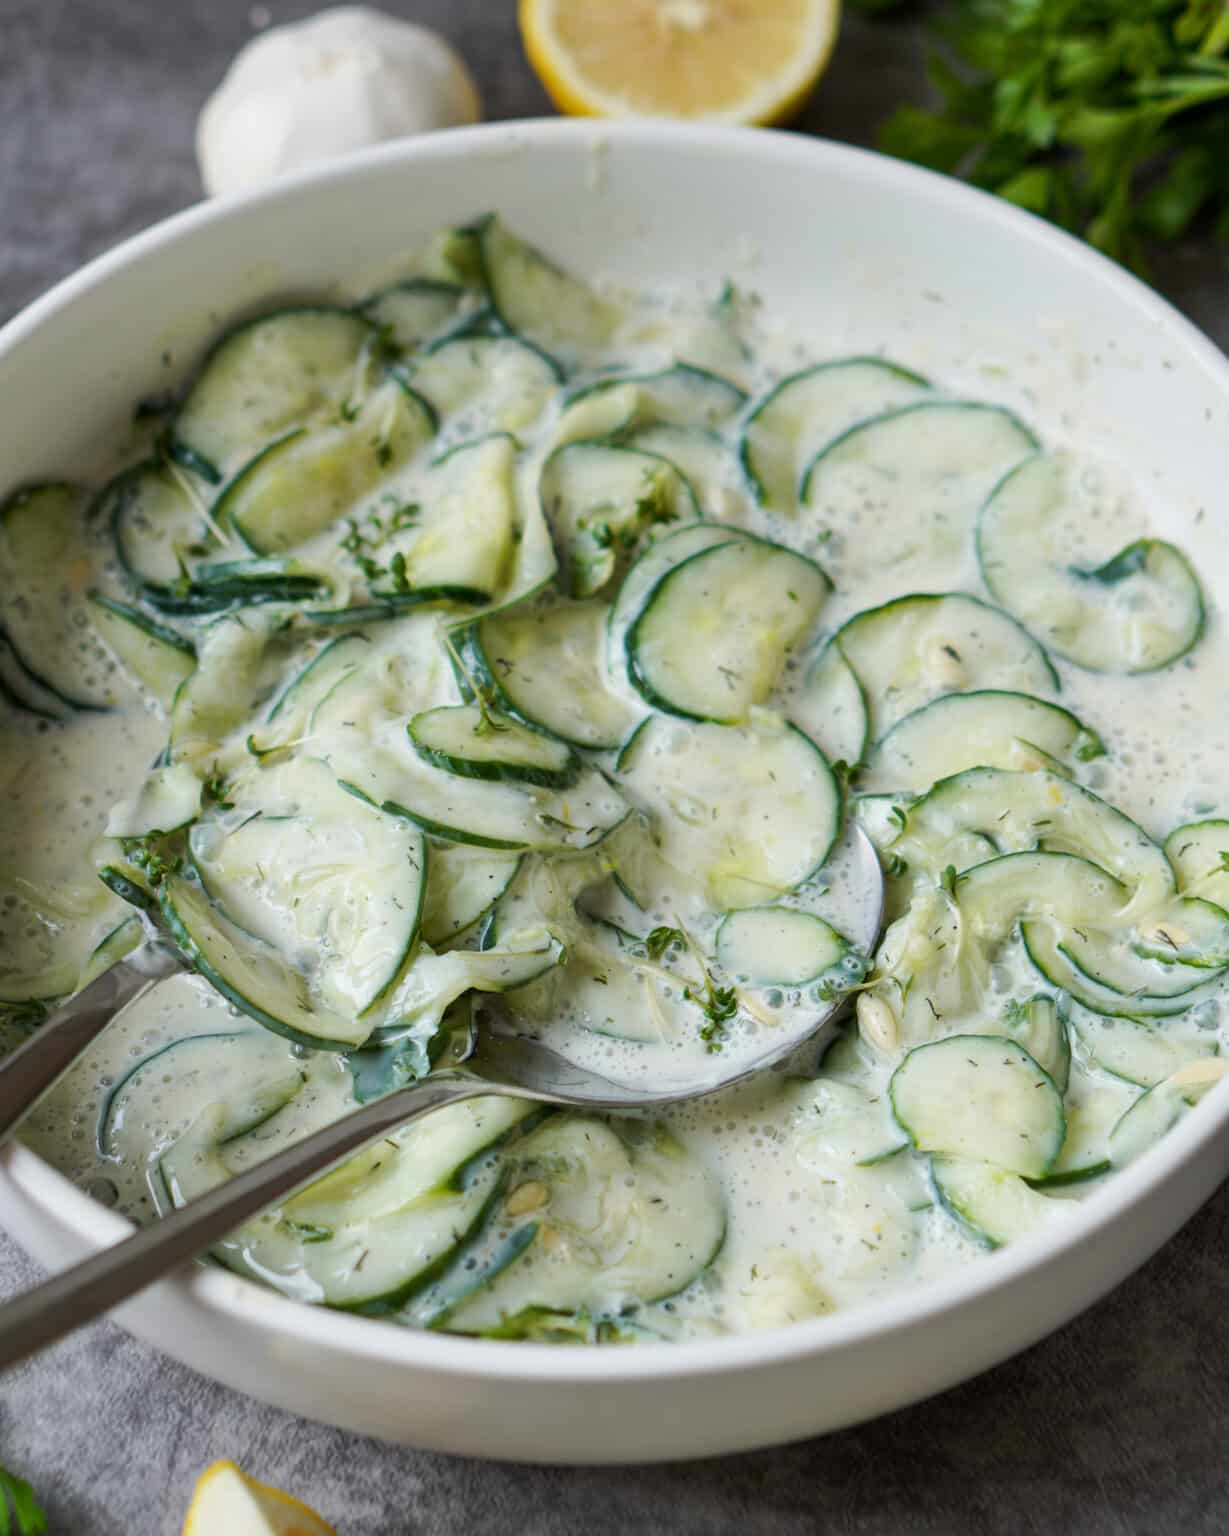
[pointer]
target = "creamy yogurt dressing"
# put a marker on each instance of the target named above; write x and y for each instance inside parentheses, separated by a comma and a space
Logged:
(808, 1229)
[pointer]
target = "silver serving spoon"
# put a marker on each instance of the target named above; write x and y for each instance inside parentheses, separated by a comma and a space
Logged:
(503, 1064)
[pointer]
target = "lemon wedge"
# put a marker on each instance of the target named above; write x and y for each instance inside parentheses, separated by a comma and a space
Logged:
(722, 61)
(225, 1502)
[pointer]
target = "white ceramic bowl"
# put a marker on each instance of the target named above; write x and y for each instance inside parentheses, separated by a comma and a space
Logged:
(862, 252)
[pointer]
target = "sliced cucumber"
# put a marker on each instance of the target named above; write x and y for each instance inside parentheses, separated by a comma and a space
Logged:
(47, 936)
(599, 499)
(713, 634)
(532, 296)
(981, 1097)
(1050, 951)
(464, 539)
(168, 800)
(43, 577)
(832, 708)
(1019, 811)
(1160, 1108)
(463, 884)
(253, 976)
(476, 743)
(989, 728)
(917, 647)
(1140, 610)
(1199, 853)
(318, 875)
(681, 396)
(834, 1121)
(231, 584)
(266, 376)
(1140, 1052)
(809, 409)
(657, 560)
(372, 1232)
(416, 311)
(487, 815)
(237, 667)
(778, 947)
(908, 485)
(544, 666)
(435, 982)
(992, 1204)
(747, 812)
(701, 456)
(1041, 1029)
(482, 384)
(632, 1217)
(157, 658)
(305, 482)
(159, 523)
(220, 1065)
(291, 713)
(1092, 1106)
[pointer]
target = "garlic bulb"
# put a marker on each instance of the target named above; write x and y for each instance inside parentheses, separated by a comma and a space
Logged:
(347, 78)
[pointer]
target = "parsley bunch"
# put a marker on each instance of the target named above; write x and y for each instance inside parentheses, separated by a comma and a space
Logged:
(1110, 117)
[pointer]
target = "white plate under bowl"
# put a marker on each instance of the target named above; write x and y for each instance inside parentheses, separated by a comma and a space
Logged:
(862, 253)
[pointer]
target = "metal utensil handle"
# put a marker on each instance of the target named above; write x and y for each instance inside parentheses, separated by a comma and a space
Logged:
(39, 1062)
(51, 1310)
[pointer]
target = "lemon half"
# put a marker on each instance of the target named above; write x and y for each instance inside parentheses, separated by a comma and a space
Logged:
(724, 61)
(225, 1502)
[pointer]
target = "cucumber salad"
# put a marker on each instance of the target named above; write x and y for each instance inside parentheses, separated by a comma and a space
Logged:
(500, 644)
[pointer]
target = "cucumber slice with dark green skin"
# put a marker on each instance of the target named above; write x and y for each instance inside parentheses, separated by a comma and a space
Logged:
(711, 639)
(681, 396)
(482, 384)
(989, 728)
(1019, 810)
(701, 456)
(253, 976)
(1140, 610)
(811, 408)
(661, 1223)
(24, 692)
(306, 482)
(463, 884)
(419, 310)
(159, 524)
(780, 947)
(599, 499)
(915, 648)
(231, 584)
(842, 1122)
(42, 547)
(766, 806)
(993, 1205)
(238, 663)
(474, 742)
(1199, 853)
(1038, 1024)
(1051, 957)
(916, 478)
(981, 1097)
(407, 1203)
(832, 708)
(1139, 1051)
(222, 1073)
(544, 666)
(267, 376)
(157, 657)
(656, 561)
(535, 298)
(1159, 1109)
(315, 874)
(1093, 1105)
(336, 660)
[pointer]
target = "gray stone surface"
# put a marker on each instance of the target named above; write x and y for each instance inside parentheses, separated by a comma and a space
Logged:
(1115, 1427)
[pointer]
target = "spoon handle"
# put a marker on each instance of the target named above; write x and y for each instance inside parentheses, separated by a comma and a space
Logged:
(53, 1309)
(29, 1071)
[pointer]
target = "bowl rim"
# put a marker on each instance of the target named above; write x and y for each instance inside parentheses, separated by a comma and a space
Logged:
(879, 1318)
